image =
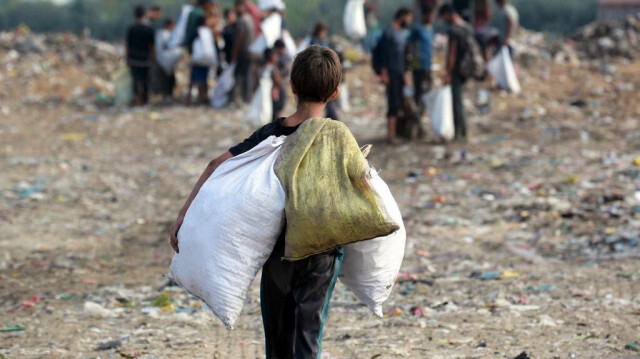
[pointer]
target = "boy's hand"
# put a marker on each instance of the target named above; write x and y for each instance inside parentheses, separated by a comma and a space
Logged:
(174, 232)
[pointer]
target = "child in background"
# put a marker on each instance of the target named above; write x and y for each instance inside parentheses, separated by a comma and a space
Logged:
(278, 92)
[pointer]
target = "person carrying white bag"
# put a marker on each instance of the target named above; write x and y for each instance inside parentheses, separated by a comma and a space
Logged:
(294, 294)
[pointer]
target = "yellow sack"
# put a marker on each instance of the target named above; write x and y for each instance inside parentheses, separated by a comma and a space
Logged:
(328, 199)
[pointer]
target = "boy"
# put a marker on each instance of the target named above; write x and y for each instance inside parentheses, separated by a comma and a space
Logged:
(421, 39)
(392, 75)
(140, 56)
(294, 295)
(278, 95)
(459, 31)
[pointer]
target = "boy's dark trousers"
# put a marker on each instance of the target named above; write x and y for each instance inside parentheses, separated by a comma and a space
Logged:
(295, 298)
(421, 85)
(457, 91)
(140, 82)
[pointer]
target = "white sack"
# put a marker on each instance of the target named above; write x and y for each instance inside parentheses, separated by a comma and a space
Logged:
(230, 230)
(289, 44)
(502, 69)
(271, 28)
(440, 105)
(370, 268)
(265, 5)
(180, 30)
(355, 26)
(223, 88)
(166, 56)
(344, 97)
(306, 42)
(261, 107)
(204, 52)
(123, 86)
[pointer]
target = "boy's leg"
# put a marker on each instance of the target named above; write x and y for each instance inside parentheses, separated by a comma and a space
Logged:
(394, 101)
(459, 121)
(313, 283)
(278, 306)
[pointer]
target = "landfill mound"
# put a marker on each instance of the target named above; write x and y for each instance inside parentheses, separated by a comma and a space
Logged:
(610, 38)
(522, 243)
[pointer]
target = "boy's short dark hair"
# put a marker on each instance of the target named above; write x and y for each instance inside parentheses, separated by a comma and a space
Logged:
(279, 44)
(227, 12)
(267, 54)
(426, 9)
(168, 22)
(402, 12)
(316, 74)
(139, 12)
(446, 9)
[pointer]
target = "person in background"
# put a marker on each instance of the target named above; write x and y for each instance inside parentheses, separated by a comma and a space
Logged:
(167, 80)
(463, 8)
(278, 96)
(392, 74)
(421, 40)
(507, 21)
(320, 34)
(372, 20)
(256, 16)
(199, 74)
(284, 60)
(486, 36)
(140, 55)
(241, 56)
(227, 33)
(458, 32)
(155, 17)
(481, 13)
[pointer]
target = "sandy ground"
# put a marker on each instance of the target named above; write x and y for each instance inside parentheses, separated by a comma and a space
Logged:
(525, 239)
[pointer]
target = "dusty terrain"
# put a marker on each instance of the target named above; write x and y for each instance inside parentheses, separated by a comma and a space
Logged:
(521, 243)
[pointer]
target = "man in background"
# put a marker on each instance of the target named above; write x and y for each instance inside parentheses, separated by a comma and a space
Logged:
(392, 74)
(421, 40)
(507, 21)
(241, 56)
(459, 32)
(140, 56)
(227, 33)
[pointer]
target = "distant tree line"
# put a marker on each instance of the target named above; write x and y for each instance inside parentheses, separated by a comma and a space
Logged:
(108, 19)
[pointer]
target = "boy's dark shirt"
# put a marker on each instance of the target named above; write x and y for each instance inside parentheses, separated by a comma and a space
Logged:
(394, 44)
(459, 35)
(140, 38)
(272, 129)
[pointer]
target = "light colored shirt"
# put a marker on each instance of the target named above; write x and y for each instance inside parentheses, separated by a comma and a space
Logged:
(503, 16)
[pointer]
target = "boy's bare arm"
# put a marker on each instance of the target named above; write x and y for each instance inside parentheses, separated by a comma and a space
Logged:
(203, 178)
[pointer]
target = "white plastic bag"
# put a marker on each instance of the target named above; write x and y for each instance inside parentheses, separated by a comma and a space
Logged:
(167, 57)
(370, 268)
(204, 52)
(440, 105)
(502, 69)
(123, 86)
(261, 107)
(271, 28)
(230, 230)
(345, 105)
(289, 43)
(223, 88)
(180, 30)
(355, 26)
(306, 42)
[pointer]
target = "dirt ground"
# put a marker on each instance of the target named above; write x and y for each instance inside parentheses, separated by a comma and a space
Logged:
(522, 242)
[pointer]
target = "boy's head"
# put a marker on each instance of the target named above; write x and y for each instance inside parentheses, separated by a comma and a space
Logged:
(320, 30)
(229, 16)
(501, 3)
(240, 7)
(447, 13)
(155, 13)
(403, 17)
(270, 56)
(279, 47)
(169, 24)
(427, 14)
(139, 12)
(316, 74)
